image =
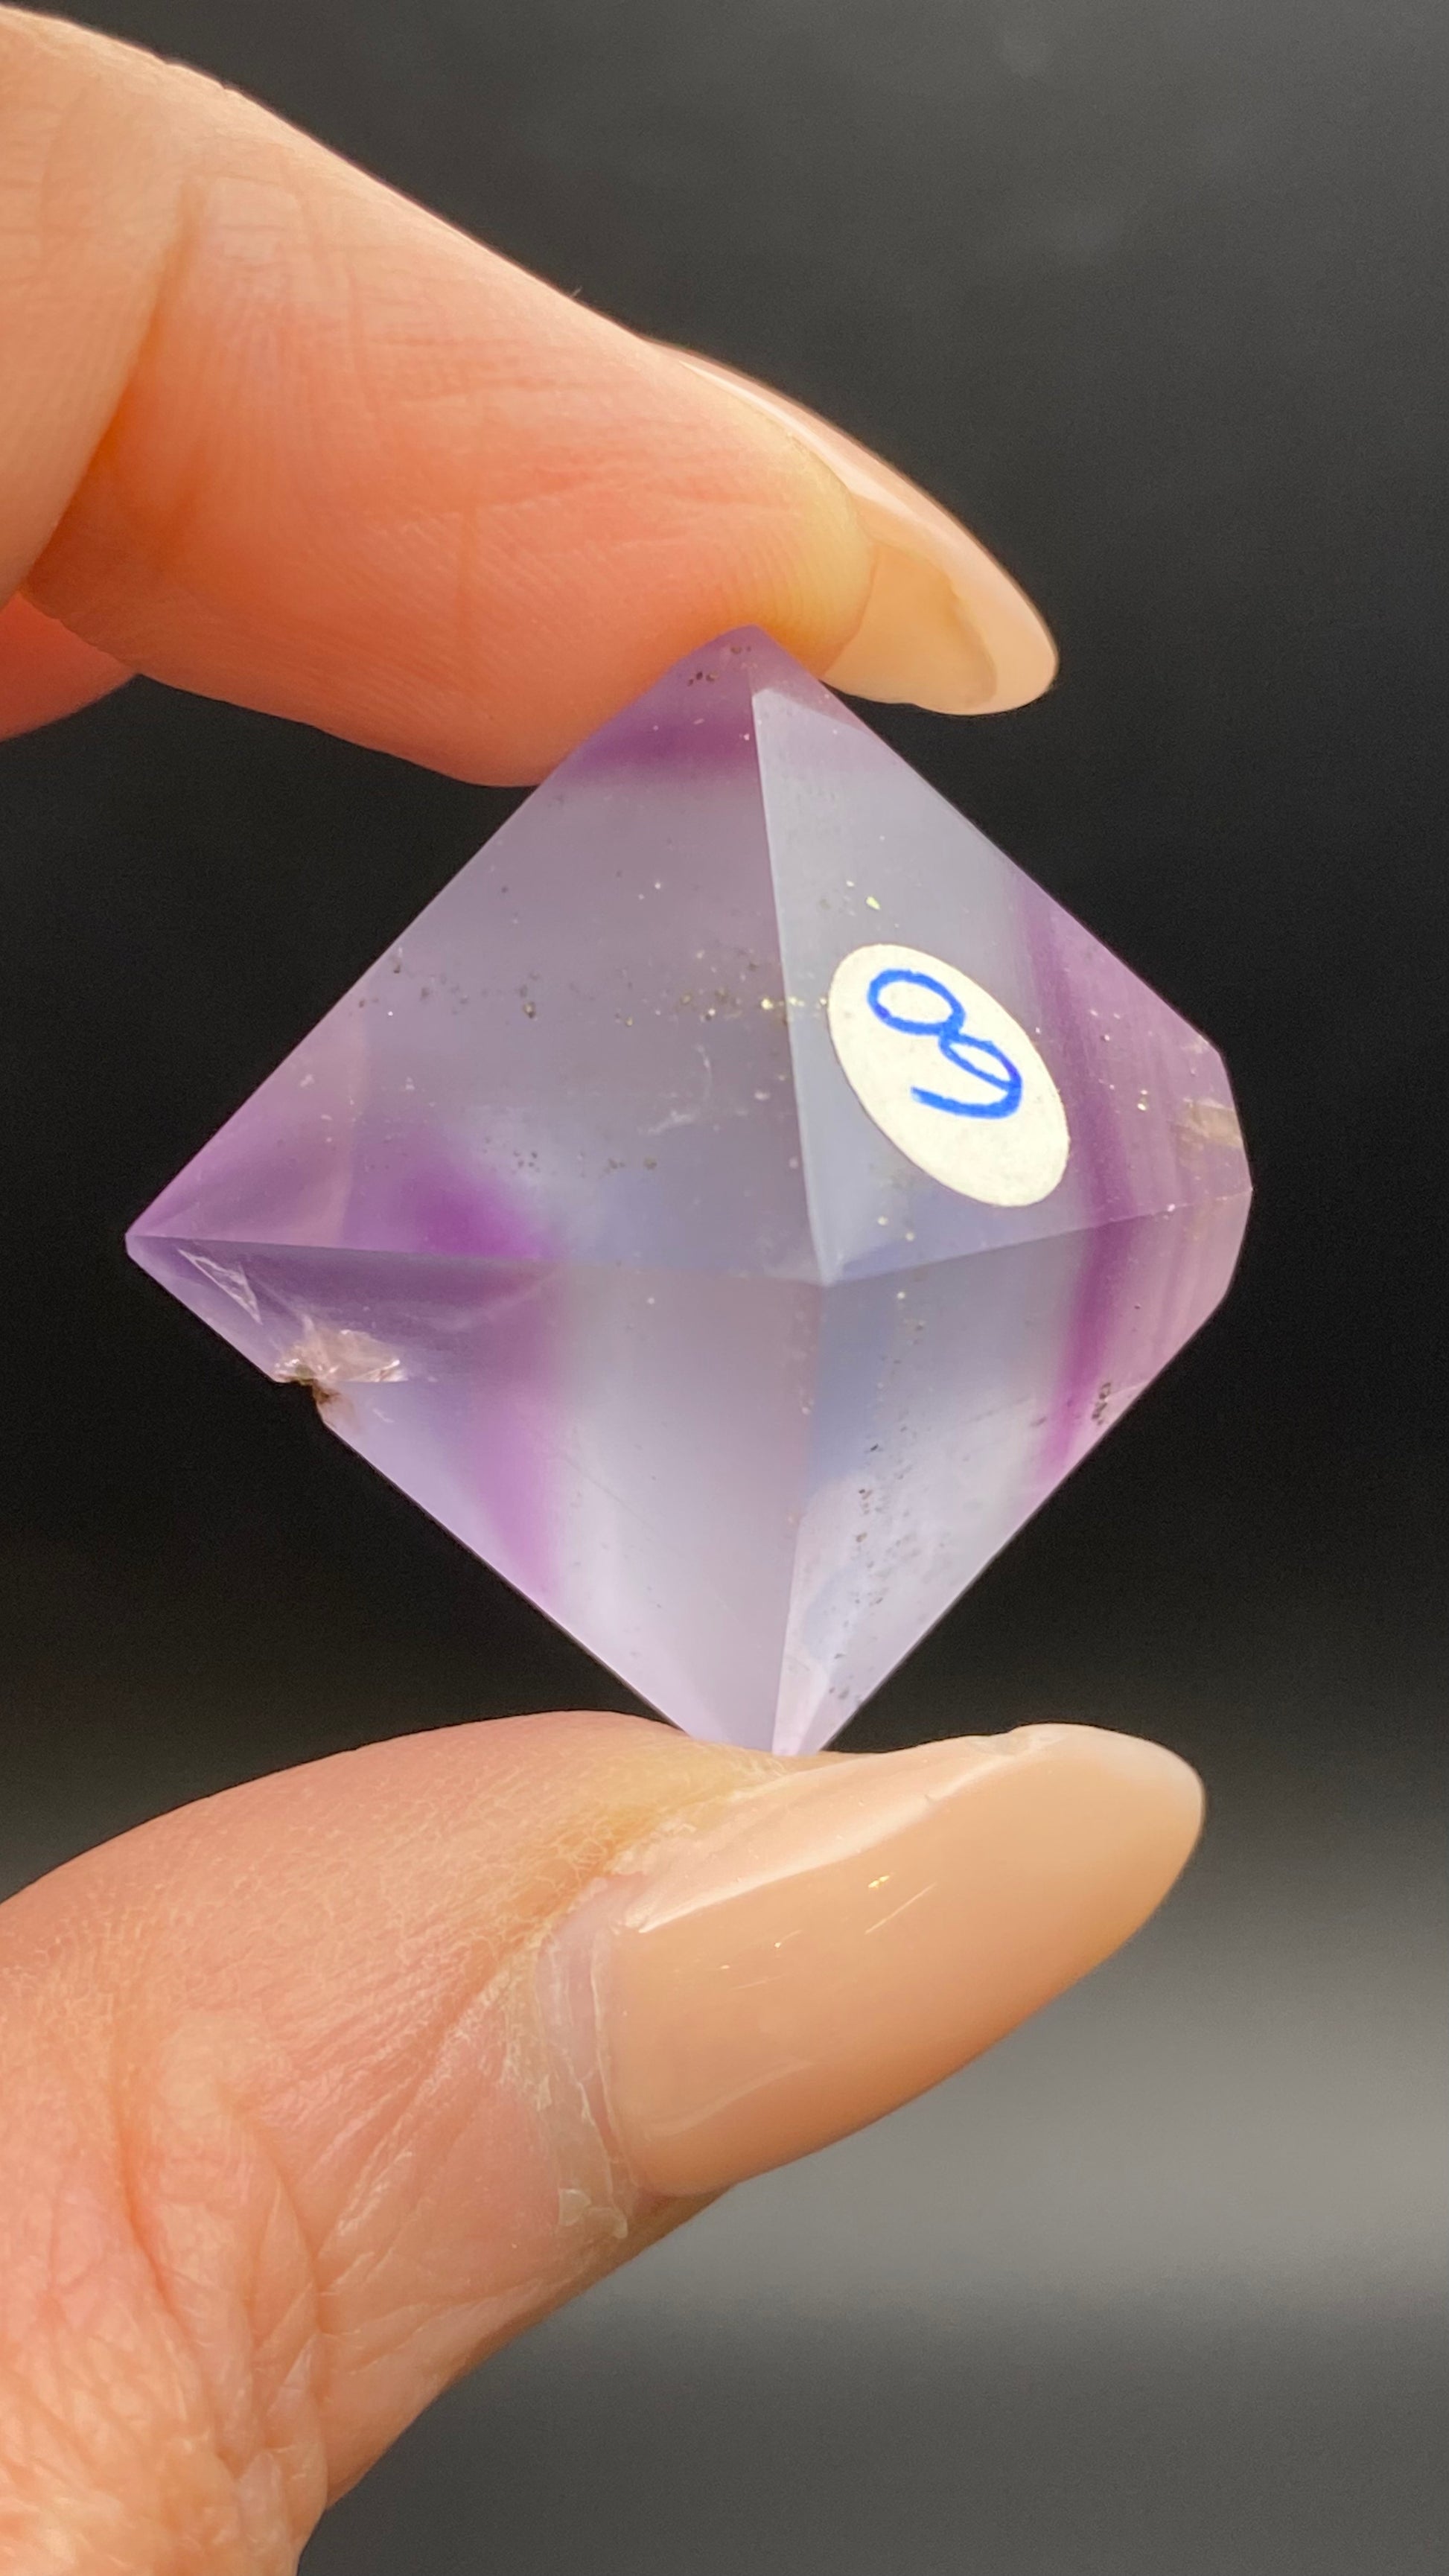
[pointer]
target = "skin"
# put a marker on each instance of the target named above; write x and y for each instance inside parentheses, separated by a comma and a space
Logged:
(318, 2091)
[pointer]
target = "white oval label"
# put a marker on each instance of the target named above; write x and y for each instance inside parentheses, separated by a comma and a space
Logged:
(948, 1075)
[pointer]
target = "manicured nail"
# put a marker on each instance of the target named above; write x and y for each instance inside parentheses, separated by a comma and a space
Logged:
(944, 626)
(850, 1933)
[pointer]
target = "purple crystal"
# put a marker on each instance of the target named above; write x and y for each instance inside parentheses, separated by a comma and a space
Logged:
(732, 1206)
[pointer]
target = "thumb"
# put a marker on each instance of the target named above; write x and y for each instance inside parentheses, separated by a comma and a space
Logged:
(271, 433)
(317, 2092)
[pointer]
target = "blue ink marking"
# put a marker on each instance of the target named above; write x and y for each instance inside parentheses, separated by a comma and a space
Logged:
(976, 1056)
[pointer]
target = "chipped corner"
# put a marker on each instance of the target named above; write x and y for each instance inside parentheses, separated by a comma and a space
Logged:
(330, 1358)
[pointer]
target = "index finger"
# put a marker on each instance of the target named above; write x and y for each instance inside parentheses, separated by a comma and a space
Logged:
(269, 432)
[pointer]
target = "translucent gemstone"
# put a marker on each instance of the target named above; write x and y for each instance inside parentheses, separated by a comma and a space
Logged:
(731, 1207)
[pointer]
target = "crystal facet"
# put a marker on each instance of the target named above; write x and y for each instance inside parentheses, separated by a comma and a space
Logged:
(732, 1206)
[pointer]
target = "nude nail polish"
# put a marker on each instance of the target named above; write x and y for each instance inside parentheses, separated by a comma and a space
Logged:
(849, 1934)
(944, 626)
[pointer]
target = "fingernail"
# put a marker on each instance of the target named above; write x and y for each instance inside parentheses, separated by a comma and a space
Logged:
(944, 626)
(849, 1934)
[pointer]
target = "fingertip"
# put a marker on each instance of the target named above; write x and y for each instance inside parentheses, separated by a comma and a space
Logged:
(1161, 1790)
(45, 671)
(850, 1933)
(944, 624)
(285, 439)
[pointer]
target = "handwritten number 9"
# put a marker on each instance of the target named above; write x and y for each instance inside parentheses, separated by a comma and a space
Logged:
(978, 1057)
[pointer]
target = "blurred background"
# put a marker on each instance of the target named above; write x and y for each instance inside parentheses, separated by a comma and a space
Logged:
(1155, 293)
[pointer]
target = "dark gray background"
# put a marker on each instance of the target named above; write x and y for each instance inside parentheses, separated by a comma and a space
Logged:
(1154, 291)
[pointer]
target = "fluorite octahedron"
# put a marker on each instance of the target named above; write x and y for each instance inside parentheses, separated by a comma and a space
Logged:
(732, 1206)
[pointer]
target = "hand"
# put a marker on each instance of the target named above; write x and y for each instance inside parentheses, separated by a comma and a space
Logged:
(318, 2091)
